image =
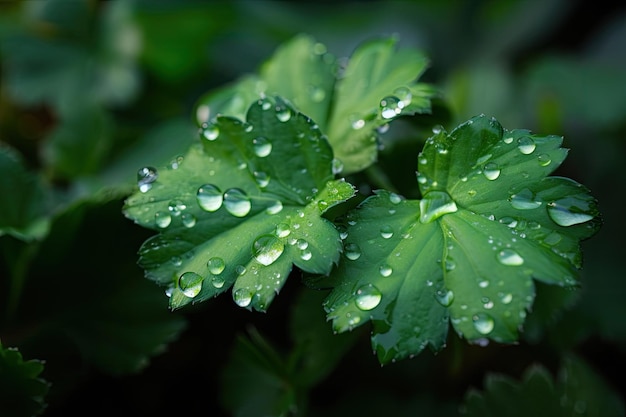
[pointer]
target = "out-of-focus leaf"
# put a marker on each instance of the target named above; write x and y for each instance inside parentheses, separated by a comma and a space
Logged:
(25, 203)
(22, 391)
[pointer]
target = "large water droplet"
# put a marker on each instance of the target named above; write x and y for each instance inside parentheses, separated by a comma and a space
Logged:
(483, 323)
(262, 146)
(434, 205)
(162, 219)
(386, 232)
(526, 145)
(216, 265)
(145, 177)
(209, 197)
(509, 257)
(190, 283)
(243, 297)
(210, 132)
(267, 248)
(444, 297)
(525, 200)
(389, 107)
(368, 297)
(352, 251)
(569, 211)
(491, 171)
(237, 202)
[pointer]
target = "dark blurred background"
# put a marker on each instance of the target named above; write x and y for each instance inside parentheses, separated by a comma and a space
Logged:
(93, 90)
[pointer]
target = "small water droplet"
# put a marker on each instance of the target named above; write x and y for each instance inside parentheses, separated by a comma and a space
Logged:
(283, 114)
(282, 230)
(508, 221)
(352, 251)
(261, 178)
(483, 323)
(162, 219)
(506, 298)
(145, 177)
(275, 208)
(176, 261)
(210, 132)
(385, 270)
(569, 211)
(262, 146)
(437, 129)
(190, 283)
(526, 145)
(337, 166)
(267, 248)
(209, 197)
(525, 200)
(510, 258)
(394, 198)
(483, 284)
(357, 123)
(444, 297)
(368, 297)
(507, 140)
(389, 107)
(404, 95)
(317, 94)
(305, 254)
(176, 207)
(491, 171)
(216, 265)
(544, 160)
(386, 232)
(237, 202)
(189, 220)
(240, 270)
(218, 282)
(176, 162)
(242, 297)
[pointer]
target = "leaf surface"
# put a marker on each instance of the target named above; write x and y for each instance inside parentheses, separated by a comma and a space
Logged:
(489, 222)
(241, 208)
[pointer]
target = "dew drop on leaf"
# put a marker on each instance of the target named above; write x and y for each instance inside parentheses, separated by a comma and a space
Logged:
(216, 265)
(282, 230)
(524, 200)
(386, 232)
(242, 297)
(434, 205)
(437, 129)
(483, 323)
(283, 114)
(145, 177)
(209, 197)
(544, 160)
(390, 107)
(302, 244)
(262, 146)
(509, 257)
(444, 297)
(491, 171)
(305, 254)
(569, 211)
(352, 251)
(267, 248)
(337, 166)
(190, 283)
(526, 145)
(176, 207)
(506, 298)
(368, 297)
(210, 132)
(189, 220)
(218, 282)
(275, 208)
(385, 270)
(394, 198)
(240, 270)
(162, 219)
(404, 95)
(237, 202)
(261, 178)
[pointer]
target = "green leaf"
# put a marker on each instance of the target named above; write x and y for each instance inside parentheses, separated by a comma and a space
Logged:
(241, 208)
(490, 221)
(578, 391)
(22, 392)
(24, 210)
(377, 85)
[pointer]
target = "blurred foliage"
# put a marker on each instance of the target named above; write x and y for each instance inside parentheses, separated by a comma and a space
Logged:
(92, 90)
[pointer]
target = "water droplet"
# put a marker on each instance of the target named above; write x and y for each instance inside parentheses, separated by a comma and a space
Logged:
(283, 114)
(242, 297)
(282, 230)
(162, 219)
(394, 198)
(353, 320)
(434, 205)
(210, 132)
(444, 297)
(176, 207)
(437, 129)
(491, 171)
(385, 270)
(275, 208)
(389, 107)
(552, 239)
(305, 255)
(302, 244)
(237, 202)
(261, 178)
(357, 123)
(267, 248)
(240, 270)
(176, 261)
(190, 283)
(483, 284)
(483, 323)
(404, 95)
(526, 145)
(176, 162)
(524, 200)
(216, 265)
(262, 146)
(569, 211)
(337, 166)
(368, 297)
(145, 177)
(209, 197)
(317, 94)
(508, 221)
(352, 251)
(509, 257)
(189, 220)
(507, 140)
(506, 298)
(449, 264)
(218, 282)
(544, 160)
(487, 304)
(386, 232)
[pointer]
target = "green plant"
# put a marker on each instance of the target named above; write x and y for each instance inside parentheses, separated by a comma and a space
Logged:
(329, 181)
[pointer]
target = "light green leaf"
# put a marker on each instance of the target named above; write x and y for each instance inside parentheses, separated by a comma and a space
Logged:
(22, 392)
(578, 391)
(377, 85)
(241, 208)
(490, 221)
